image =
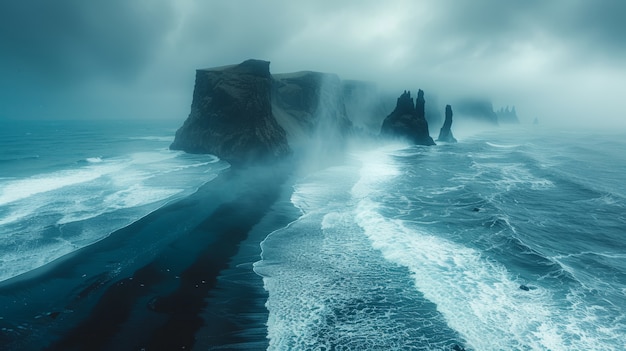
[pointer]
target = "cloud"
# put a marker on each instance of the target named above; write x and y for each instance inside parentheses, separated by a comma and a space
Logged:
(69, 40)
(545, 57)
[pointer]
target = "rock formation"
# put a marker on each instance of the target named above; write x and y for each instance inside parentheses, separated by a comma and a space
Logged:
(445, 134)
(408, 120)
(231, 115)
(507, 116)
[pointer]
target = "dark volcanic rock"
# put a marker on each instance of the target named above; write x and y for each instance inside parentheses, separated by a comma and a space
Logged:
(445, 134)
(231, 115)
(408, 120)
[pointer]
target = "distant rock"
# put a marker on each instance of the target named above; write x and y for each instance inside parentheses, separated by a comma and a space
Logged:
(231, 115)
(408, 120)
(507, 116)
(445, 134)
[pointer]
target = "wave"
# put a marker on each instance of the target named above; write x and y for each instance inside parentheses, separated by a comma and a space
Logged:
(94, 159)
(502, 146)
(58, 212)
(329, 289)
(8, 159)
(20, 189)
(477, 295)
(154, 138)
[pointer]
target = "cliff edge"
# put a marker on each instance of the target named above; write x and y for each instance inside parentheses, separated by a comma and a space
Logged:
(231, 115)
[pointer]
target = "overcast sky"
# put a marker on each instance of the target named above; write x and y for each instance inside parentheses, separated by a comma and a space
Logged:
(560, 60)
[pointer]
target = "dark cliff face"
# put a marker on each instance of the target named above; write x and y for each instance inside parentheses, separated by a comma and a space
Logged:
(231, 115)
(408, 120)
(445, 134)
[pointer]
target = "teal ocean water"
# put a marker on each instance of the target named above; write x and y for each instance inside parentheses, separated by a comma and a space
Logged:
(511, 239)
(508, 240)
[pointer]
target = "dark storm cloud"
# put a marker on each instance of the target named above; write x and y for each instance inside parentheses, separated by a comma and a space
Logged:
(67, 40)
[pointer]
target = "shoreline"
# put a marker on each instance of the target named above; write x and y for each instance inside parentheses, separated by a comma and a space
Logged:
(162, 281)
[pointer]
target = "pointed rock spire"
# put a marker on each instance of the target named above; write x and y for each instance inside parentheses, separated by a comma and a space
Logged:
(445, 133)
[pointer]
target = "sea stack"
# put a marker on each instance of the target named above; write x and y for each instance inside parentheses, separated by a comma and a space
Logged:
(231, 115)
(445, 133)
(507, 116)
(408, 120)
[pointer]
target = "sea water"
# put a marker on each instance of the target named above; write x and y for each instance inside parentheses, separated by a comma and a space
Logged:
(508, 240)
(67, 184)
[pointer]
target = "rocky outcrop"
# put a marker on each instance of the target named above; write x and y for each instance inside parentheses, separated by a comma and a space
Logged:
(408, 120)
(507, 116)
(231, 115)
(445, 134)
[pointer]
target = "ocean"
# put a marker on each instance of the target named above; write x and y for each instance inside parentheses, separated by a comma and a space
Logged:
(511, 239)
(67, 184)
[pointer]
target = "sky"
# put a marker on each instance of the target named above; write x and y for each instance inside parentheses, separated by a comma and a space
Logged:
(561, 61)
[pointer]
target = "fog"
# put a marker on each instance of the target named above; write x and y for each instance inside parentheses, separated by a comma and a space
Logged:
(562, 61)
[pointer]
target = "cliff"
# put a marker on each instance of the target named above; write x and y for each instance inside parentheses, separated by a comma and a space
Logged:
(408, 120)
(231, 115)
(445, 134)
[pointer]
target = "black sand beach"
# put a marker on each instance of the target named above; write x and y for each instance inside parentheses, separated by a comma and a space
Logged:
(178, 278)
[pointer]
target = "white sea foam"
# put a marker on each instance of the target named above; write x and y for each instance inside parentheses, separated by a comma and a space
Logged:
(479, 298)
(508, 176)
(94, 159)
(23, 188)
(328, 288)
